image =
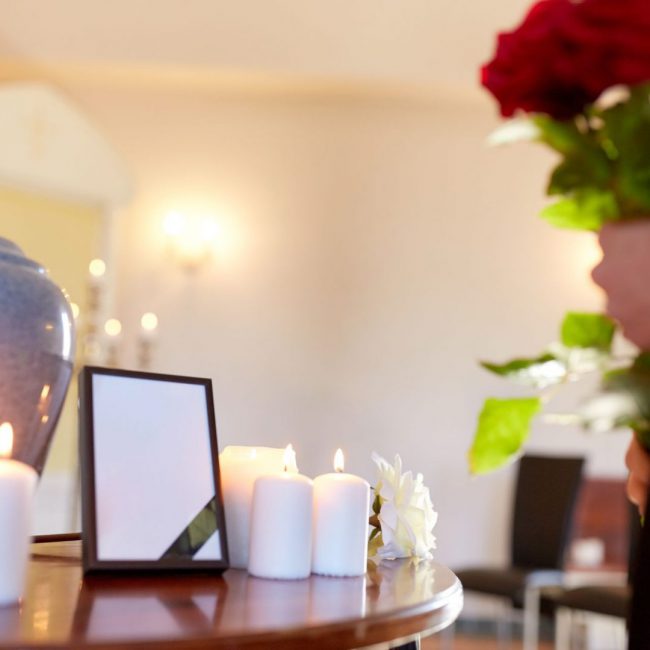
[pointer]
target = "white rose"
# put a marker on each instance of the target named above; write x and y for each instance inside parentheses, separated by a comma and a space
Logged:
(406, 516)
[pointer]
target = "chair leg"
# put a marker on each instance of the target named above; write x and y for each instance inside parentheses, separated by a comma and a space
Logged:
(563, 629)
(531, 618)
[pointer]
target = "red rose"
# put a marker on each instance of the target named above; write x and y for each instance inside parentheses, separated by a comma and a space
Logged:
(566, 53)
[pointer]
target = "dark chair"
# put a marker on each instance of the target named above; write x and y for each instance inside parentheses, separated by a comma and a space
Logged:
(544, 502)
(606, 600)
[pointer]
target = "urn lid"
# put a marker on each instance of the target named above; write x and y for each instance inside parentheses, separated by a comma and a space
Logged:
(11, 253)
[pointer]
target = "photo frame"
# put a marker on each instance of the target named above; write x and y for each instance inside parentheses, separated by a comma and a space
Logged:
(150, 489)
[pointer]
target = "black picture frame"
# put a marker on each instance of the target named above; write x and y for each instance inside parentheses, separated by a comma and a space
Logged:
(150, 487)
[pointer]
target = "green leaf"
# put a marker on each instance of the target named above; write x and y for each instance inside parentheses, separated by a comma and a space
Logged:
(507, 368)
(589, 169)
(587, 209)
(642, 363)
(503, 426)
(564, 137)
(583, 330)
(540, 371)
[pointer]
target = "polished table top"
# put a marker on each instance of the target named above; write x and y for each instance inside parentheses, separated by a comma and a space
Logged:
(395, 600)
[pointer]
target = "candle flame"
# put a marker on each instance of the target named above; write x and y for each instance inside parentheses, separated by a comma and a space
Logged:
(97, 268)
(290, 459)
(339, 462)
(113, 327)
(149, 321)
(6, 439)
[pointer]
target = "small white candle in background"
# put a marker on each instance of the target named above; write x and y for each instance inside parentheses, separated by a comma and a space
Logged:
(97, 270)
(280, 544)
(146, 340)
(17, 485)
(239, 468)
(113, 330)
(149, 326)
(341, 509)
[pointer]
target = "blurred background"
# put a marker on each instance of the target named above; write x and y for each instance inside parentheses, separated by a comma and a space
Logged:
(302, 193)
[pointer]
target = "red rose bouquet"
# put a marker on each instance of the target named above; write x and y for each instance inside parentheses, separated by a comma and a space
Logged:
(558, 67)
(576, 76)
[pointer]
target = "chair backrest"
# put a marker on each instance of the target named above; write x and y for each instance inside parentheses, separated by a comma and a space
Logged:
(634, 537)
(545, 498)
(639, 621)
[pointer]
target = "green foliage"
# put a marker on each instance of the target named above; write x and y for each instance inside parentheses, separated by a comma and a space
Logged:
(584, 209)
(586, 341)
(503, 427)
(564, 137)
(584, 330)
(515, 365)
(634, 381)
(626, 129)
(540, 371)
(604, 168)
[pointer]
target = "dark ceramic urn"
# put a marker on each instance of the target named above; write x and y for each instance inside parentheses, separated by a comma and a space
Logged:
(36, 353)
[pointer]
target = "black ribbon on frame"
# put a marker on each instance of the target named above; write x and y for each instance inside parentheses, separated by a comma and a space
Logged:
(195, 534)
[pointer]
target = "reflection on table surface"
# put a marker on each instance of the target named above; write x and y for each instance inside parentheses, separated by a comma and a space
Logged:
(61, 606)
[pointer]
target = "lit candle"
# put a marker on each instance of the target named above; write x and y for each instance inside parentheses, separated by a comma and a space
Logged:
(239, 468)
(97, 271)
(148, 331)
(341, 505)
(17, 485)
(149, 326)
(113, 329)
(280, 543)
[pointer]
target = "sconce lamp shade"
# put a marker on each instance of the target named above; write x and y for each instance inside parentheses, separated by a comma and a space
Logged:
(36, 353)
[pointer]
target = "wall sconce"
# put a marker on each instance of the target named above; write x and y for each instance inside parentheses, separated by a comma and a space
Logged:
(190, 240)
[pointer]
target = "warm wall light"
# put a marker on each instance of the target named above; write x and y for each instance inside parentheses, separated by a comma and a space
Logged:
(191, 240)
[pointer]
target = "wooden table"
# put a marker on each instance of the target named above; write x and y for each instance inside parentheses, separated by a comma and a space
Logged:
(392, 604)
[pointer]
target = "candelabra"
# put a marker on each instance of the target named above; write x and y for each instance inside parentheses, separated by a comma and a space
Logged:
(100, 338)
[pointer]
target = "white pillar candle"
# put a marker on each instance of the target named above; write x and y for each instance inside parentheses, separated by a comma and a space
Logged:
(239, 468)
(17, 485)
(280, 543)
(341, 508)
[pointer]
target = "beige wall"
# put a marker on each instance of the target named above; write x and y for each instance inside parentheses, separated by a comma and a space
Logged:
(376, 249)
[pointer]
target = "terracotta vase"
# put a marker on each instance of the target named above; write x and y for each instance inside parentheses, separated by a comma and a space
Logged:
(622, 273)
(36, 353)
